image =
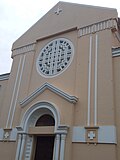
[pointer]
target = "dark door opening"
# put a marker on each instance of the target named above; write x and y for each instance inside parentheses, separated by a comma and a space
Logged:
(44, 148)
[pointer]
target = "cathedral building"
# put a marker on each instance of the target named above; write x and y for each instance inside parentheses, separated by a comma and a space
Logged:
(61, 100)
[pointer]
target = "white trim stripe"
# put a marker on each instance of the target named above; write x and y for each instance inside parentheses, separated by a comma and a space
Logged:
(18, 87)
(89, 80)
(95, 80)
(13, 94)
(18, 147)
(106, 134)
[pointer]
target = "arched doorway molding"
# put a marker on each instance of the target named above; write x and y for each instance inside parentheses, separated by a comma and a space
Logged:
(29, 119)
(32, 114)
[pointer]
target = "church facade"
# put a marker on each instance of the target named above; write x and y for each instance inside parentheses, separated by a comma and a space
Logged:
(61, 99)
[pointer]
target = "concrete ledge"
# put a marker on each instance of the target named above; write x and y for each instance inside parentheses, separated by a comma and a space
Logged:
(8, 134)
(106, 134)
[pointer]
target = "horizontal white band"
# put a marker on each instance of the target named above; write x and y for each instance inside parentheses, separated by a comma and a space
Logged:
(12, 134)
(106, 134)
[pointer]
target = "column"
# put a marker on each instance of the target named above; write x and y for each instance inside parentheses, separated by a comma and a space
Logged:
(28, 148)
(22, 146)
(56, 147)
(62, 146)
(18, 147)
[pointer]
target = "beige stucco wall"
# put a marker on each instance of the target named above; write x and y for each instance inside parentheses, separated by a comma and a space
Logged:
(105, 93)
(116, 67)
(86, 151)
(7, 150)
(24, 80)
(3, 87)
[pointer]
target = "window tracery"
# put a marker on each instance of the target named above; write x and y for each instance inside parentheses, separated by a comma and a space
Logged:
(55, 57)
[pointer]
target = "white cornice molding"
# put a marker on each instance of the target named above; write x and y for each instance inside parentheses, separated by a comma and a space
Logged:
(62, 129)
(71, 99)
(116, 52)
(4, 76)
(96, 27)
(24, 49)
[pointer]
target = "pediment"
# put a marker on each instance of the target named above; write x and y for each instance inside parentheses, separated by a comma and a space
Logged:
(40, 90)
(71, 16)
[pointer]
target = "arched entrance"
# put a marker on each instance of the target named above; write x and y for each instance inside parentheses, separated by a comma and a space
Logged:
(44, 146)
(41, 124)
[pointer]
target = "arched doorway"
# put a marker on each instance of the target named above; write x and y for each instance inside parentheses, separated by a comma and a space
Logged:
(39, 122)
(44, 146)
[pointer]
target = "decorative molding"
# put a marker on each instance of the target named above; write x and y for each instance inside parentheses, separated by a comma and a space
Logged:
(96, 80)
(24, 49)
(92, 134)
(8, 134)
(96, 27)
(103, 134)
(116, 52)
(19, 129)
(28, 149)
(18, 88)
(4, 76)
(13, 93)
(117, 34)
(40, 90)
(35, 111)
(22, 146)
(62, 129)
(56, 147)
(57, 33)
(18, 146)
(62, 146)
(89, 79)
(29, 119)
(58, 11)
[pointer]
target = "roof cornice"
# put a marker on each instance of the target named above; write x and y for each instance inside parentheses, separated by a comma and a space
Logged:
(4, 76)
(99, 26)
(40, 90)
(116, 52)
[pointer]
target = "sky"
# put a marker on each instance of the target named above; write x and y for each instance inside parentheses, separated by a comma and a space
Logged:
(17, 16)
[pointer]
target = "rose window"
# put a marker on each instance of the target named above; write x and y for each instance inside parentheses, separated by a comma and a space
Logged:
(55, 57)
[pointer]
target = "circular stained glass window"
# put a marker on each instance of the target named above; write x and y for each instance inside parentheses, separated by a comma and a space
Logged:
(55, 57)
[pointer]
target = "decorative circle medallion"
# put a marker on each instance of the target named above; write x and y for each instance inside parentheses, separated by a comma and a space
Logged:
(55, 57)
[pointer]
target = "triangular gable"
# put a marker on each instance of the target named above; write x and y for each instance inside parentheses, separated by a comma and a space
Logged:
(40, 90)
(71, 16)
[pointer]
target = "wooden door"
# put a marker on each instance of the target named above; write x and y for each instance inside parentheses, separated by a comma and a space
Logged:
(44, 148)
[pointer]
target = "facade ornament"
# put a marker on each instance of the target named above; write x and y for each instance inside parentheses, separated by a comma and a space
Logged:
(58, 11)
(91, 135)
(6, 135)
